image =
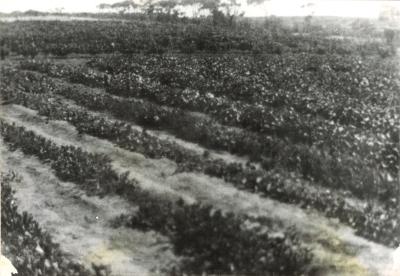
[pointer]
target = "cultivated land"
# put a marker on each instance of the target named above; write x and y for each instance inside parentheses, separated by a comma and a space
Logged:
(144, 147)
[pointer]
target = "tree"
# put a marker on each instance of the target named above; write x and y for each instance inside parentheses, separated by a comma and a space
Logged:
(167, 6)
(391, 35)
(231, 9)
(222, 11)
(122, 7)
(103, 6)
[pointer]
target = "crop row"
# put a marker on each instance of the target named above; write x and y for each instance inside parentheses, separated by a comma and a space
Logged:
(310, 83)
(378, 142)
(92, 37)
(371, 221)
(351, 92)
(326, 168)
(219, 243)
(30, 249)
(284, 121)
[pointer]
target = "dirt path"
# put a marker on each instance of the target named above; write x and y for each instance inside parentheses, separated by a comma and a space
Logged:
(81, 224)
(335, 246)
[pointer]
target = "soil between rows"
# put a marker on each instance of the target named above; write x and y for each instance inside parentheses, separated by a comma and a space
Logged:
(336, 246)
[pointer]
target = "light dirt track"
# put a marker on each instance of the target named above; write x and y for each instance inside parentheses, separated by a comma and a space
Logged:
(334, 245)
(81, 224)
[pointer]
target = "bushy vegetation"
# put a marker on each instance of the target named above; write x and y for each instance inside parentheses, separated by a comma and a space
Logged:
(267, 253)
(31, 249)
(275, 183)
(315, 116)
(347, 156)
(133, 36)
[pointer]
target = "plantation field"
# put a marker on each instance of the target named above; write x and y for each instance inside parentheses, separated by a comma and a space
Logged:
(198, 149)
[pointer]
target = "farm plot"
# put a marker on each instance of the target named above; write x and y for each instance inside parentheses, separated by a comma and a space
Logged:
(276, 164)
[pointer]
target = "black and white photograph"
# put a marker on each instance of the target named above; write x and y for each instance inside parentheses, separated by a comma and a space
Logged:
(200, 137)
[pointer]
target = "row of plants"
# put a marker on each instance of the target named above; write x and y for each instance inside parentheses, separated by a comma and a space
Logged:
(284, 122)
(219, 243)
(30, 249)
(358, 174)
(380, 149)
(131, 36)
(373, 221)
(350, 90)
(228, 86)
(267, 78)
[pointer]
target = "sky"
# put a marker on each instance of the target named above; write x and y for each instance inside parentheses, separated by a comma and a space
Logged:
(272, 7)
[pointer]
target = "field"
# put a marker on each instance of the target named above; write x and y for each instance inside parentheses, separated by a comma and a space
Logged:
(142, 147)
